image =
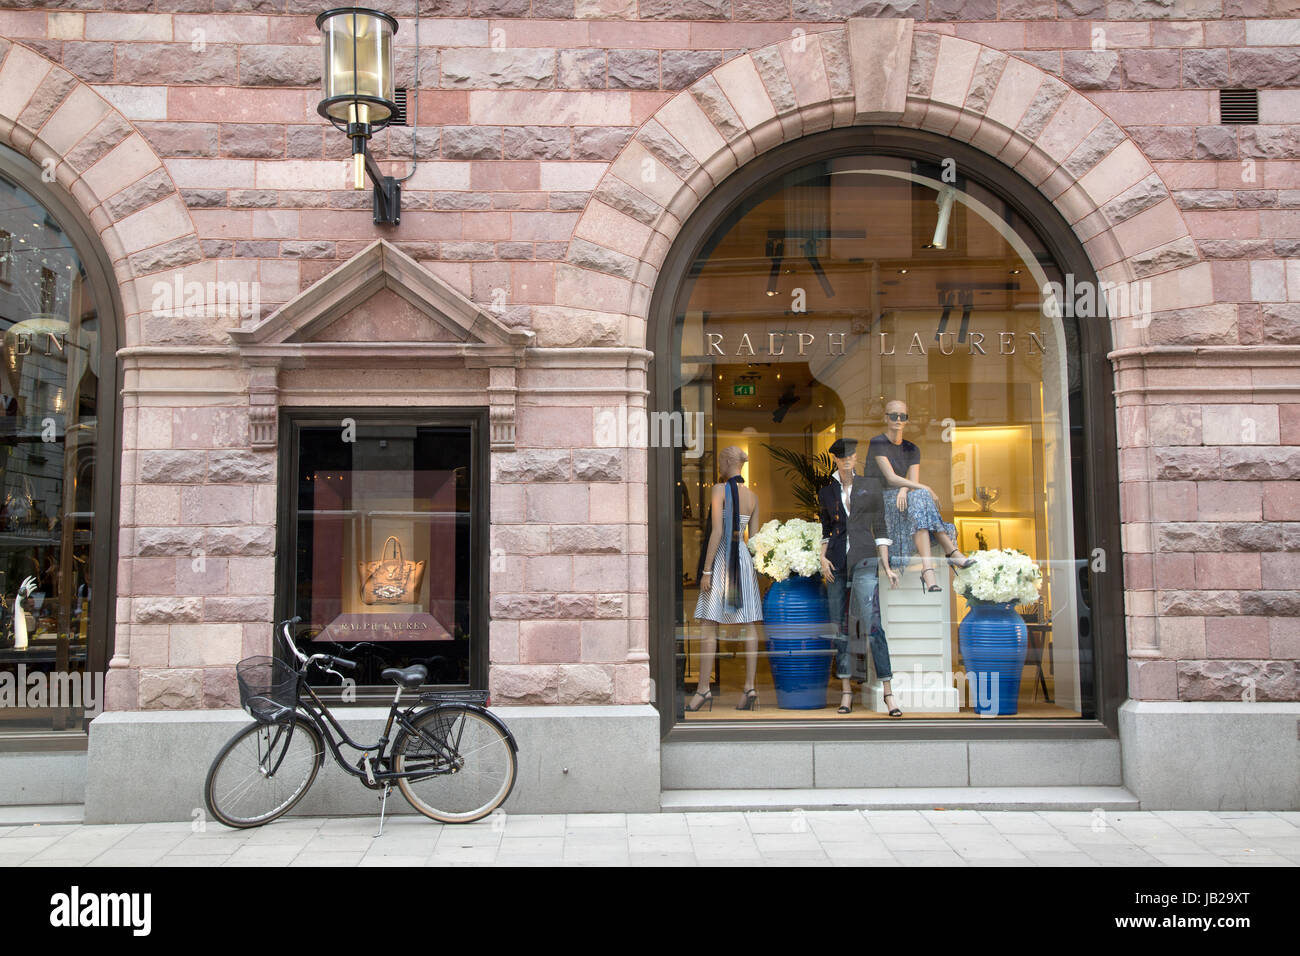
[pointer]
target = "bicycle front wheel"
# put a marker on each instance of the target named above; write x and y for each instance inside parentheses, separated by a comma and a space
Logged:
(262, 772)
(461, 762)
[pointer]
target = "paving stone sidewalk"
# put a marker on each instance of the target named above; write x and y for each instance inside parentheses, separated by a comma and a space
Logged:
(798, 838)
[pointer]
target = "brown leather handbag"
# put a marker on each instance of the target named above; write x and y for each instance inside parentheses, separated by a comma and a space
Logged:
(391, 580)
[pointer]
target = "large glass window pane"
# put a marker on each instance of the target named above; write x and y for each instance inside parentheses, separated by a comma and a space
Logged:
(48, 427)
(383, 543)
(853, 287)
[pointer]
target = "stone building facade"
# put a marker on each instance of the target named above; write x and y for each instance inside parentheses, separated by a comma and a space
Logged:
(562, 146)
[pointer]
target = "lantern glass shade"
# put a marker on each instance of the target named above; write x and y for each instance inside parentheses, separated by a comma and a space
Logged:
(357, 69)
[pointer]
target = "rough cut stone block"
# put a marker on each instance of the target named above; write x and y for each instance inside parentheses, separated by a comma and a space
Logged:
(586, 684)
(681, 68)
(525, 684)
(1199, 603)
(588, 255)
(667, 150)
(167, 610)
(1269, 464)
(1250, 536)
(626, 199)
(1237, 680)
(1215, 142)
(633, 69)
(581, 70)
(240, 541)
(172, 689)
(587, 539)
(472, 142)
(1206, 69)
(489, 69)
(600, 142)
(279, 66)
(598, 464)
(528, 466)
(241, 466)
(537, 142)
(1150, 69)
(1174, 464)
(1091, 69)
(1189, 536)
(170, 467)
(684, 9)
(176, 63)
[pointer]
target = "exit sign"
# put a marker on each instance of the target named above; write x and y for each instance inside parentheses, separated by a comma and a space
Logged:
(742, 390)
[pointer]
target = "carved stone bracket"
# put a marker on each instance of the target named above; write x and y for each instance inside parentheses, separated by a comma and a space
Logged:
(501, 395)
(263, 406)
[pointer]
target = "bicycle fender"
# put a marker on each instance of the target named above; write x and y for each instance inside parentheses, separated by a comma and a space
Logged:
(500, 724)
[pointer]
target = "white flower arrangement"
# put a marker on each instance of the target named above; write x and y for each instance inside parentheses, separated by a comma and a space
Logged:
(782, 549)
(1000, 577)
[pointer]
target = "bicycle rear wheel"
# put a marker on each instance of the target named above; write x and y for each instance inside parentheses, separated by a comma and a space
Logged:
(465, 763)
(262, 772)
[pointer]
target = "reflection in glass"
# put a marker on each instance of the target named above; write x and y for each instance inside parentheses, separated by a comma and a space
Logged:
(383, 521)
(48, 422)
(822, 297)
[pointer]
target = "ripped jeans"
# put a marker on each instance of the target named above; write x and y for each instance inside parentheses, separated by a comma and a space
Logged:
(865, 598)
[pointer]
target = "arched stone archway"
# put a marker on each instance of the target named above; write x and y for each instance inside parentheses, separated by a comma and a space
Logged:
(881, 72)
(112, 174)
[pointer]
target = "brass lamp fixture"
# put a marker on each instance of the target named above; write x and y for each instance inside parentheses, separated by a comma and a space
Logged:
(358, 97)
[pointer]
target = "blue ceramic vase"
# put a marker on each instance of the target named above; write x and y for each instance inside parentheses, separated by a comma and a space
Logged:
(794, 620)
(993, 640)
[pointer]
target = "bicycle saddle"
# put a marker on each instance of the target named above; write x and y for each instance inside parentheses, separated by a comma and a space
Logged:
(409, 677)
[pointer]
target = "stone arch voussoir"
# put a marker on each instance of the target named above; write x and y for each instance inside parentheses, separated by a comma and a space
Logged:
(880, 72)
(112, 174)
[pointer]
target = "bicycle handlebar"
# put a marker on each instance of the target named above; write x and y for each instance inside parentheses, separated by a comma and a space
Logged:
(303, 659)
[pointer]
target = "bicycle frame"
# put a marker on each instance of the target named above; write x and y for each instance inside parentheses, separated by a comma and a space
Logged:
(373, 777)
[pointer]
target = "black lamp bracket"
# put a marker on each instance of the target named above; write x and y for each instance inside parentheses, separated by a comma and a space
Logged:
(388, 191)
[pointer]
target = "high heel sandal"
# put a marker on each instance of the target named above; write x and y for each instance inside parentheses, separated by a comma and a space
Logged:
(846, 708)
(931, 587)
(966, 561)
(894, 711)
(750, 702)
(706, 697)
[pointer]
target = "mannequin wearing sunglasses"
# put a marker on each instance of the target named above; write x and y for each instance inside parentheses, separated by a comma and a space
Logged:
(913, 509)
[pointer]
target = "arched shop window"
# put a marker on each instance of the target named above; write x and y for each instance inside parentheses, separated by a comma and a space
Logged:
(797, 309)
(57, 387)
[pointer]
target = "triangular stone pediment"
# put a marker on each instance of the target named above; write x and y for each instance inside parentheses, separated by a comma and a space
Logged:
(378, 299)
(386, 315)
(379, 309)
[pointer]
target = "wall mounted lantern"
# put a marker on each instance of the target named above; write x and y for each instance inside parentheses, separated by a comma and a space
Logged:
(357, 85)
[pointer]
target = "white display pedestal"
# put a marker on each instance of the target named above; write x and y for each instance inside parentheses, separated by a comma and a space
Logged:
(919, 628)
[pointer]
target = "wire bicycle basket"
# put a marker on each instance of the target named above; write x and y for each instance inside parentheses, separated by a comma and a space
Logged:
(268, 688)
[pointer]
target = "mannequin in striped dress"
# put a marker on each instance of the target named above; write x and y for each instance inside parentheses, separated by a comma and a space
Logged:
(729, 588)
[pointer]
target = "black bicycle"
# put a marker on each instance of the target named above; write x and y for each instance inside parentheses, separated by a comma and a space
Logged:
(452, 758)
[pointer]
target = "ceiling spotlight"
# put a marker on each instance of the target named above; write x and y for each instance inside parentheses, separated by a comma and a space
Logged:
(947, 196)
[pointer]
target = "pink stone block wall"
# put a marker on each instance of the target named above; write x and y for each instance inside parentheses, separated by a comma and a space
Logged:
(187, 132)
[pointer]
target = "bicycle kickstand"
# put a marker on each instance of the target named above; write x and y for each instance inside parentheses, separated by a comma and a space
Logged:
(383, 804)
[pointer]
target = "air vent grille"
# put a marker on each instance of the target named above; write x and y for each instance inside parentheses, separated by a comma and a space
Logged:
(1239, 107)
(399, 97)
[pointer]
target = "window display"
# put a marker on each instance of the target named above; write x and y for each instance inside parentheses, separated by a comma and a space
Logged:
(886, 388)
(384, 543)
(49, 427)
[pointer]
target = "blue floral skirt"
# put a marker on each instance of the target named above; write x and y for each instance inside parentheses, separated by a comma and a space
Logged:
(922, 514)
